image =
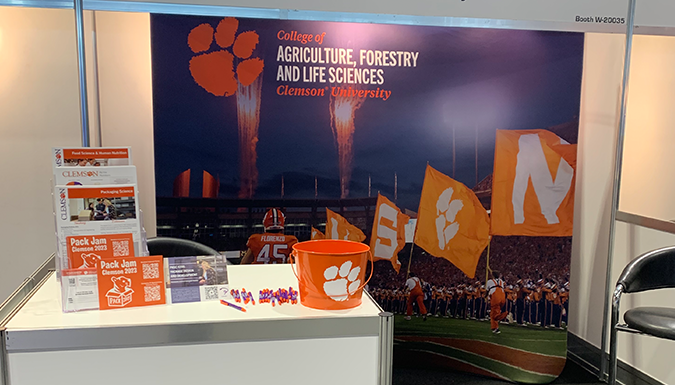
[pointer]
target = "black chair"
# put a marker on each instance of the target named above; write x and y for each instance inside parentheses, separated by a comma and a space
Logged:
(650, 271)
(176, 247)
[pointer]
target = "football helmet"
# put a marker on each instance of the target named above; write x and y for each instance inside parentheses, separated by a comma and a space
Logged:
(274, 220)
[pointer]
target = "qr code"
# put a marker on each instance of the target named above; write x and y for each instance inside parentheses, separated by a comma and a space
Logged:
(150, 270)
(210, 292)
(152, 293)
(120, 248)
(71, 281)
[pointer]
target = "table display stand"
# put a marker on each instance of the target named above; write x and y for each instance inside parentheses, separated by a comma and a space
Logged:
(204, 341)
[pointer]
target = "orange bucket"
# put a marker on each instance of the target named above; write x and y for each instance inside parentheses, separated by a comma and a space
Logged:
(331, 273)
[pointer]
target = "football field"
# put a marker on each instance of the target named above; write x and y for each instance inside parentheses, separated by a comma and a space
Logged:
(529, 354)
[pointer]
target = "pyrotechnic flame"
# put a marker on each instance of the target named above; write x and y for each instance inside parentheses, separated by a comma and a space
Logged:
(248, 114)
(342, 110)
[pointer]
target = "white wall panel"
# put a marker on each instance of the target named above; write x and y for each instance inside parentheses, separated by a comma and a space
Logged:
(600, 97)
(125, 87)
(39, 109)
(648, 180)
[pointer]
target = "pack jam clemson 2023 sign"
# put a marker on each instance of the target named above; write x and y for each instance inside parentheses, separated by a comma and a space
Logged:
(85, 251)
(130, 281)
(313, 113)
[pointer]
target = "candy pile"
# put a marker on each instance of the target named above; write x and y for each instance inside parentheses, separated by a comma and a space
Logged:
(280, 296)
(274, 297)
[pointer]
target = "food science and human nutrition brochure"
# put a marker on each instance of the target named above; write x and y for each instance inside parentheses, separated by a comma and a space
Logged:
(195, 278)
(91, 156)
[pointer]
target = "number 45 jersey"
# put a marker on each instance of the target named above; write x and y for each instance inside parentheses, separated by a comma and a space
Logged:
(271, 247)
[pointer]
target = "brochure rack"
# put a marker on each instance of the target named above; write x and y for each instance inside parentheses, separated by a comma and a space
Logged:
(204, 341)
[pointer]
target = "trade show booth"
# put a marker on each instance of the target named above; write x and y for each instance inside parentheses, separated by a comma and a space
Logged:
(347, 116)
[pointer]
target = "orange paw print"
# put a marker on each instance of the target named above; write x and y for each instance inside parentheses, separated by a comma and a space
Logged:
(214, 71)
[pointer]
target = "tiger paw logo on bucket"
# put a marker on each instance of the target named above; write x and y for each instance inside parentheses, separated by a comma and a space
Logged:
(339, 287)
(331, 273)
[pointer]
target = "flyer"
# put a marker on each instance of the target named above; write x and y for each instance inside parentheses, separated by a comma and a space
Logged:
(79, 289)
(100, 210)
(195, 278)
(91, 156)
(90, 176)
(85, 251)
(130, 282)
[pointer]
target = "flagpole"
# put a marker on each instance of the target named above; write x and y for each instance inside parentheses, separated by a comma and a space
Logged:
(453, 152)
(407, 274)
(487, 263)
(476, 152)
(412, 245)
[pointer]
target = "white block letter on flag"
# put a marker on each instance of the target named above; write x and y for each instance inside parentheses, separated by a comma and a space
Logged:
(533, 184)
(388, 235)
(337, 227)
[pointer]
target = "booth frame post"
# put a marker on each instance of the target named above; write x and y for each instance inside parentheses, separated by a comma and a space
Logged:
(81, 62)
(386, 347)
(618, 161)
(4, 364)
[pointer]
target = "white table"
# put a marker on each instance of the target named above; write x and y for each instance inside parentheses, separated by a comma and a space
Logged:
(199, 342)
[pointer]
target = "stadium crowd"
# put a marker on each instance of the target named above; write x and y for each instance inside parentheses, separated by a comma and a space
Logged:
(535, 271)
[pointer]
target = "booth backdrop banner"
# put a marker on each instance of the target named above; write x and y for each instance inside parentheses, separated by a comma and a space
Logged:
(321, 118)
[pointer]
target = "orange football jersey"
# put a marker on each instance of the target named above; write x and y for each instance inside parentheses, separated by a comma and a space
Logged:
(271, 247)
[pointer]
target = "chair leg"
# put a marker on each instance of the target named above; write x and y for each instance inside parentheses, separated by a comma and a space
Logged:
(616, 299)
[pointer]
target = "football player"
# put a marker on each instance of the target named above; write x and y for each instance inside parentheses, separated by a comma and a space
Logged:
(272, 246)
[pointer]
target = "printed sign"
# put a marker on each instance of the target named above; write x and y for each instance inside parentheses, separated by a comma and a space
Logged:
(85, 251)
(91, 157)
(129, 282)
(194, 279)
(79, 289)
(87, 176)
(83, 211)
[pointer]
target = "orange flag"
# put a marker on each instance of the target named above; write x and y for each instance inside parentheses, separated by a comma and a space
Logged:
(533, 184)
(388, 236)
(451, 222)
(316, 234)
(337, 227)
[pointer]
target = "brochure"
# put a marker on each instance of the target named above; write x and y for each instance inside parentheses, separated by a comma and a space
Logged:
(91, 156)
(196, 278)
(85, 251)
(100, 210)
(130, 282)
(79, 288)
(91, 176)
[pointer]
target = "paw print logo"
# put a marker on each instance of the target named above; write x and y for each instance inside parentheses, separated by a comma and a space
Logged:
(339, 287)
(447, 209)
(214, 71)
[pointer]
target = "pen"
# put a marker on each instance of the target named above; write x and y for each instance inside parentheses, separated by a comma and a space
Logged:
(223, 302)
